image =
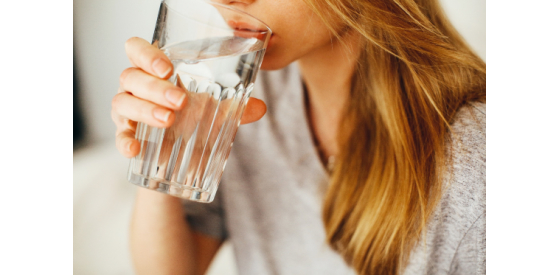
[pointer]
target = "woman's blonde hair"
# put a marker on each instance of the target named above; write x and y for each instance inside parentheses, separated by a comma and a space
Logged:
(414, 72)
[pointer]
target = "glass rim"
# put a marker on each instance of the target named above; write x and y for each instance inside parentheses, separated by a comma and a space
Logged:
(268, 29)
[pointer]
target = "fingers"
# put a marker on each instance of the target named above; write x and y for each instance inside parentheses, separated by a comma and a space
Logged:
(136, 109)
(123, 123)
(254, 111)
(127, 145)
(153, 98)
(126, 107)
(153, 89)
(148, 58)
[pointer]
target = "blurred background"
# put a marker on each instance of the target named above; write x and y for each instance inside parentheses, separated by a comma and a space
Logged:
(102, 196)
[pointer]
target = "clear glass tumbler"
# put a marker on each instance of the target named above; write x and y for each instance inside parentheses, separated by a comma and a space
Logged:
(216, 52)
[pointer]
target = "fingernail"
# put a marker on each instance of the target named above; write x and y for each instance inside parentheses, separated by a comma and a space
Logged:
(176, 97)
(161, 67)
(161, 114)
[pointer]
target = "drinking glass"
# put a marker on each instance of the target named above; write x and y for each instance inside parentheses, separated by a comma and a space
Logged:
(216, 52)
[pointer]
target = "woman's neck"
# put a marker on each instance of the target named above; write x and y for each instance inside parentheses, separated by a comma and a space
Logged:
(327, 74)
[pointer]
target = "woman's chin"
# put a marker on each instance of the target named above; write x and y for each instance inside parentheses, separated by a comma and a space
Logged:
(271, 63)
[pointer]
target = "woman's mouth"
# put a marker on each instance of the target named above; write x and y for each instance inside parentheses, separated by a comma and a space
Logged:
(245, 30)
(239, 25)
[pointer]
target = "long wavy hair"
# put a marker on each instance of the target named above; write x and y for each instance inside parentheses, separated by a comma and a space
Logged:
(414, 73)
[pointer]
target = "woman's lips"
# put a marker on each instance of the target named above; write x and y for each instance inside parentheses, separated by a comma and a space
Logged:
(239, 25)
(246, 30)
(249, 34)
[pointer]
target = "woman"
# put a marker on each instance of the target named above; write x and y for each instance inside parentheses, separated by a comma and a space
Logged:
(371, 159)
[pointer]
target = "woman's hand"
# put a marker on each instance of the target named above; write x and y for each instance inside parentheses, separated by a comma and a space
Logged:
(146, 96)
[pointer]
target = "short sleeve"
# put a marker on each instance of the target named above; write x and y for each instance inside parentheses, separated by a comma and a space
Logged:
(206, 218)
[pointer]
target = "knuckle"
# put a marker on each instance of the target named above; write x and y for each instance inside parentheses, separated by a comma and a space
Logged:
(116, 102)
(129, 42)
(125, 74)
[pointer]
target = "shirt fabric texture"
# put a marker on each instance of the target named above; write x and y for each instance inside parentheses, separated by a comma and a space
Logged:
(270, 198)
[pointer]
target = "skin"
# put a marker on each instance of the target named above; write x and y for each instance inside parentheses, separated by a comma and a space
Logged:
(161, 242)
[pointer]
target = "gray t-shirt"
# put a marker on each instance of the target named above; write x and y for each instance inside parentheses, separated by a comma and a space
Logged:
(269, 202)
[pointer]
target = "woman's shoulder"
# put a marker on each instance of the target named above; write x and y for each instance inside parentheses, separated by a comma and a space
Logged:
(465, 181)
(463, 203)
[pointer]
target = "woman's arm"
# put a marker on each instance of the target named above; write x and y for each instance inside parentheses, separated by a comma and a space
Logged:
(160, 238)
(161, 241)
